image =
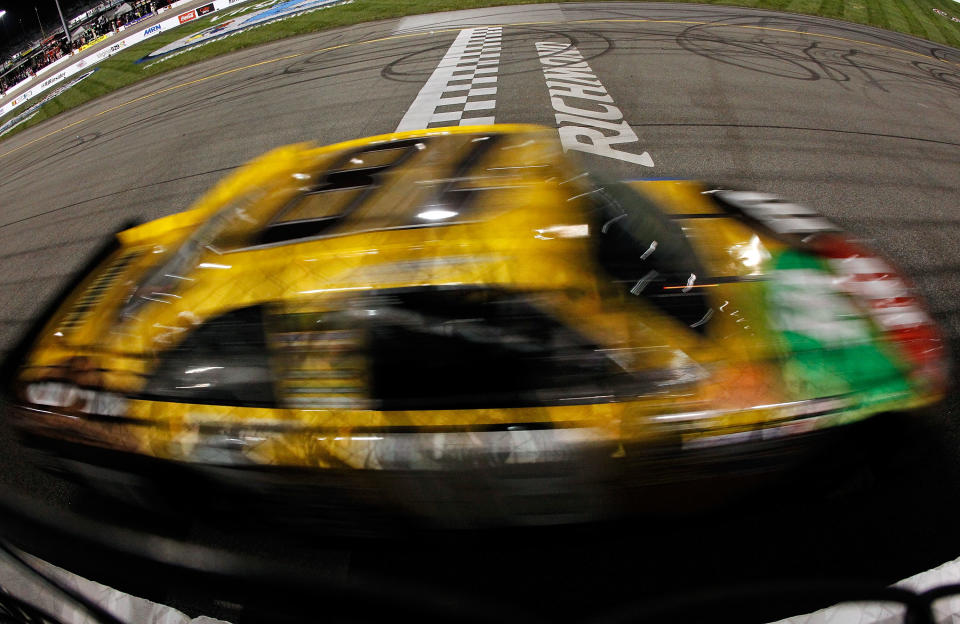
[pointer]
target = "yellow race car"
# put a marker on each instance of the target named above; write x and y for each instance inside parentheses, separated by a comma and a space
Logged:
(433, 316)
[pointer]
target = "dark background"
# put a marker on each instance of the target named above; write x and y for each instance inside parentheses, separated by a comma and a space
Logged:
(21, 26)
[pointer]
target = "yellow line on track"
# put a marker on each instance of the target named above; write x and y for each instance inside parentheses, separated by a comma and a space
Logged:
(446, 30)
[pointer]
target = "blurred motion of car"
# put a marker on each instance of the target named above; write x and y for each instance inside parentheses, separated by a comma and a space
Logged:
(463, 326)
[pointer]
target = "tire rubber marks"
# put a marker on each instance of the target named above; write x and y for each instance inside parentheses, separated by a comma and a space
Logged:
(587, 120)
(462, 89)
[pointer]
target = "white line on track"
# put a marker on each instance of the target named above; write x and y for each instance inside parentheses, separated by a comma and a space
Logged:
(463, 87)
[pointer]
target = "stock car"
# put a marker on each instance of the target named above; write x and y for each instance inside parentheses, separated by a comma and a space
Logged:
(463, 323)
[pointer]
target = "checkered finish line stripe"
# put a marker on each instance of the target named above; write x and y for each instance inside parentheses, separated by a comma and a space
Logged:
(462, 89)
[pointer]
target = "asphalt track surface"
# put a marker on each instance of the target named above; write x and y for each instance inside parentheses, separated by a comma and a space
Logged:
(860, 123)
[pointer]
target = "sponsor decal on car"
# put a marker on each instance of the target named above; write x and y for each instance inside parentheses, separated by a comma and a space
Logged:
(830, 347)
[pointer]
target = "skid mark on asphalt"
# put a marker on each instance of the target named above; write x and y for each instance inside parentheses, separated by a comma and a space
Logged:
(115, 193)
(587, 119)
(432, 33)
(461, 89)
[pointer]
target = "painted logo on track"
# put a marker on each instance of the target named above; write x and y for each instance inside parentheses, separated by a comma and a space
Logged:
(942, 13)
(212, 31)
(587, 119)
(265, 16)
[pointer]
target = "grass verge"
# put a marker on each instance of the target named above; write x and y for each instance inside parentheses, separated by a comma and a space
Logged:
(914, 17)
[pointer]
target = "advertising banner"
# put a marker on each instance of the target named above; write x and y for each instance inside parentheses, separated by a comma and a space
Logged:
(30, 112)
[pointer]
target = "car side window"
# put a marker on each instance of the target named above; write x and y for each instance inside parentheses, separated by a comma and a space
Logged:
(645, 254)
(435, 349)
(224, 361)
